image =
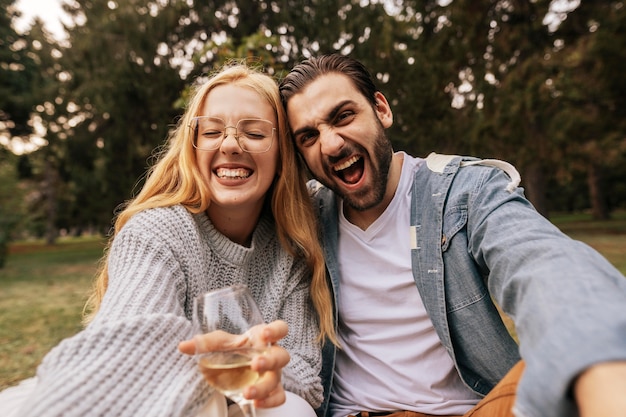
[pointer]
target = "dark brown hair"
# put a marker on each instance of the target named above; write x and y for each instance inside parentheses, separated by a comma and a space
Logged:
(309, 70)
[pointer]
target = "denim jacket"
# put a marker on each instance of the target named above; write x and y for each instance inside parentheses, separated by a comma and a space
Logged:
(476, 240)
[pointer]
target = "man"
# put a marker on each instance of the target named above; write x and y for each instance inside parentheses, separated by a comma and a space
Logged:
(417, 251)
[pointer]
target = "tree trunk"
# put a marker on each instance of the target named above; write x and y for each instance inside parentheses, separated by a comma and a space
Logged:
(50, 184)
(535, 186)
(597, 198)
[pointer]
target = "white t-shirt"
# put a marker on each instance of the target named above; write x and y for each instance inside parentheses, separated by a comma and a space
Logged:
(391, 357)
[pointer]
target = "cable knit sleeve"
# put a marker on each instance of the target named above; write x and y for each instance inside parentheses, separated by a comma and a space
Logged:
(126, 362)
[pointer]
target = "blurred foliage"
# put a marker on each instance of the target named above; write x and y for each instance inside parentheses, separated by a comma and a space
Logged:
(487, 78)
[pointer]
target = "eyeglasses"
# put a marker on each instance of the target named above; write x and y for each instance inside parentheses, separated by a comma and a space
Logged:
(252, 135)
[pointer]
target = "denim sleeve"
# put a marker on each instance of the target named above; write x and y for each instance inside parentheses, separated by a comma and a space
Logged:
(567, 301)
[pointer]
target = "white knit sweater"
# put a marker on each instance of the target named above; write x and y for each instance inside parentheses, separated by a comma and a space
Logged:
(126, 362)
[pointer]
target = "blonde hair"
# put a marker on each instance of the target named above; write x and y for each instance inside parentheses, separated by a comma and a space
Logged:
(176, 179)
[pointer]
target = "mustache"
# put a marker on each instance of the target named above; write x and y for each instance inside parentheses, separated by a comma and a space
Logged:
(345, 152)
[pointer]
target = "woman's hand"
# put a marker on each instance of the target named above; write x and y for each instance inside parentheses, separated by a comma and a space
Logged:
(268, 390)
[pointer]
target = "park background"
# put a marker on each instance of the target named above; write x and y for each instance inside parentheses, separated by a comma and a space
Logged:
(83, 114)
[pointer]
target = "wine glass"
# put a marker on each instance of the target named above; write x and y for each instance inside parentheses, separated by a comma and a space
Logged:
(232, 316)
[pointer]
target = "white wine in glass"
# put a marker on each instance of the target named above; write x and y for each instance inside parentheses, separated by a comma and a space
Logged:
(232, 314)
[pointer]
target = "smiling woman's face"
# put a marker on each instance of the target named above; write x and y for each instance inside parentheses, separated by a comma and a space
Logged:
(238, 180)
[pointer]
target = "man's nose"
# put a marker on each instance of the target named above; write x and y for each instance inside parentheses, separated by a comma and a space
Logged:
(330, 141)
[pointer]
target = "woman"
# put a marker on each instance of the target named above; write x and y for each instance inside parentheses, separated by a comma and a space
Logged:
(226, 203)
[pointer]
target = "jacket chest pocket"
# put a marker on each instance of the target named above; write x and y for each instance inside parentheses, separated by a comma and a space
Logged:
(454, 221)
(464, 283)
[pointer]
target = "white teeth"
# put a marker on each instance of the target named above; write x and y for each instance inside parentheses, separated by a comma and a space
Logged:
(346, 164)
(232, 173)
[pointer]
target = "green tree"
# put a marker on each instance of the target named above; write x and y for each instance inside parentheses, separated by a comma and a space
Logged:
(17, 69)
(506, 44)
(11, 202)
(29, 92)
(426, 55)
(121, 78)
(590, 91)
(544, 98)
(486, 78)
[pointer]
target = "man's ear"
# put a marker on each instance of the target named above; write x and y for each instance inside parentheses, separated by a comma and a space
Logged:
(383, 110)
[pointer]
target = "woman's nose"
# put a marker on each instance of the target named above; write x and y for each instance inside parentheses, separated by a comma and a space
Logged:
(230, 143)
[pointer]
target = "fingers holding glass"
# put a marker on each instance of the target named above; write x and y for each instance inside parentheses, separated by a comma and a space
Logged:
(230, 325)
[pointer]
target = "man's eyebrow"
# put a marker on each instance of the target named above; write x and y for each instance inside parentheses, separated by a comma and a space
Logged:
(331, 116)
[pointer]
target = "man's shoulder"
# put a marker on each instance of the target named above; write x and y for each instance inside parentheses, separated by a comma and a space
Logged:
(440, 163)
(318, 191)
(314, 186)
(323, 198)
(437, 162)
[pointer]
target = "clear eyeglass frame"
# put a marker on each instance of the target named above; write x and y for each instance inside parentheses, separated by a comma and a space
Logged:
(252, 135)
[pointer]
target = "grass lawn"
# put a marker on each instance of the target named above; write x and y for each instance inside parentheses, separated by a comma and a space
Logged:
(43, 289)
(607, 237)
(42, 293)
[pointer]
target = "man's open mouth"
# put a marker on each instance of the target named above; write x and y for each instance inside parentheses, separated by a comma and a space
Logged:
(351, 170)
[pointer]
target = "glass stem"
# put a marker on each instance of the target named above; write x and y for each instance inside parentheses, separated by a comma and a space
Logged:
(247, 407)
